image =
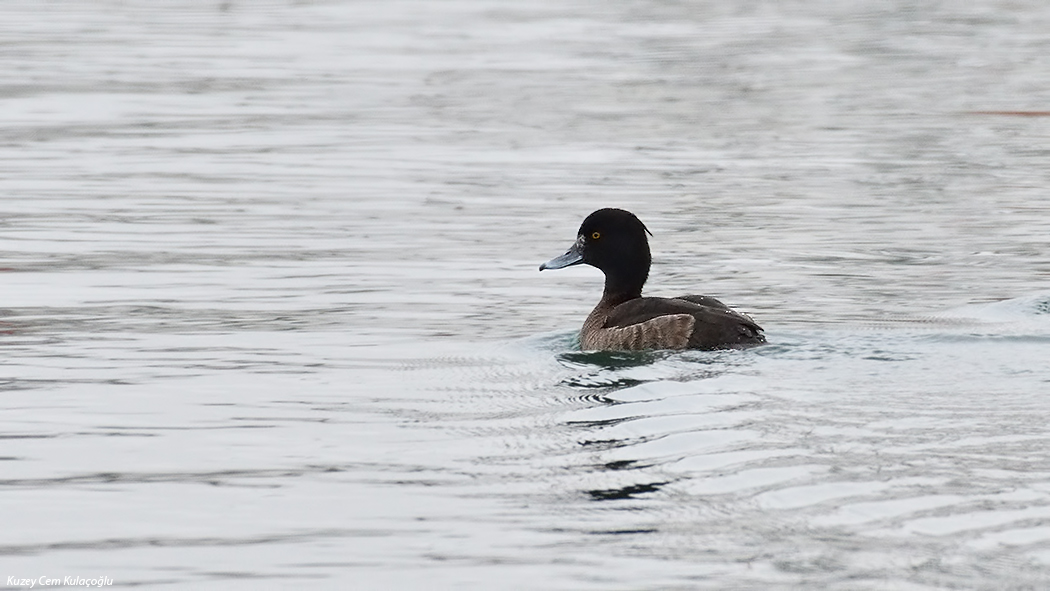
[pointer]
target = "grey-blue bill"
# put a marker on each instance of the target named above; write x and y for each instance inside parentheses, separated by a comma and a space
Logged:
(573, 256)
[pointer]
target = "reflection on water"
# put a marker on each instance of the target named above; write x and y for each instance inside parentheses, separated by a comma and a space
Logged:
(271, 315)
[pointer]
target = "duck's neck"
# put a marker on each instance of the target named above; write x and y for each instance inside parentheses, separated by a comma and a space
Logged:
(621, 288)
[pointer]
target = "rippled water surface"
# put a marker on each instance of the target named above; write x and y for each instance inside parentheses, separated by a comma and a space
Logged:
(271, 317)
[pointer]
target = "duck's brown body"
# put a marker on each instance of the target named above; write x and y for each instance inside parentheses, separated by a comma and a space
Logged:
(668, 323)
(663, 332)
(614, 241)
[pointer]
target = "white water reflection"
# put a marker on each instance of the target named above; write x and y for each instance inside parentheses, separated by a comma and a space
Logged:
(271, 316)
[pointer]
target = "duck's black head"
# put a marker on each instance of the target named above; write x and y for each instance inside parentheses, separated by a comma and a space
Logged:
(614, 241)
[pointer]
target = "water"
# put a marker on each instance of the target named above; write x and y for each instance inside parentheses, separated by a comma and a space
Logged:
(271, 316)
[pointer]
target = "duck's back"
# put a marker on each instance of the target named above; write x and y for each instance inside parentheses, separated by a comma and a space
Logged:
(714, 325)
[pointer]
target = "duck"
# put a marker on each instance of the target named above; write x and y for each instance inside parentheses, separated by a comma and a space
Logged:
(614, 241)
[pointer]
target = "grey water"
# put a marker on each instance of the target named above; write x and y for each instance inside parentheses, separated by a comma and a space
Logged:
(270, 314)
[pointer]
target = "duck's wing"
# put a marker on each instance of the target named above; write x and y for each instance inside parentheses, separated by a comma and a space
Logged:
(716, 325)
(703, 301)
(713, 303)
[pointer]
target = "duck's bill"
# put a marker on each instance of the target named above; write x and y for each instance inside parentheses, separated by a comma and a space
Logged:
(574, 256)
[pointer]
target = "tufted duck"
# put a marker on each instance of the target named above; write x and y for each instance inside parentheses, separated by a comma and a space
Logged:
(614, 241)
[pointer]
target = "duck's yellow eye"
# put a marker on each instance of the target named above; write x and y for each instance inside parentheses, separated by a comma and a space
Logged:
(596, 235)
